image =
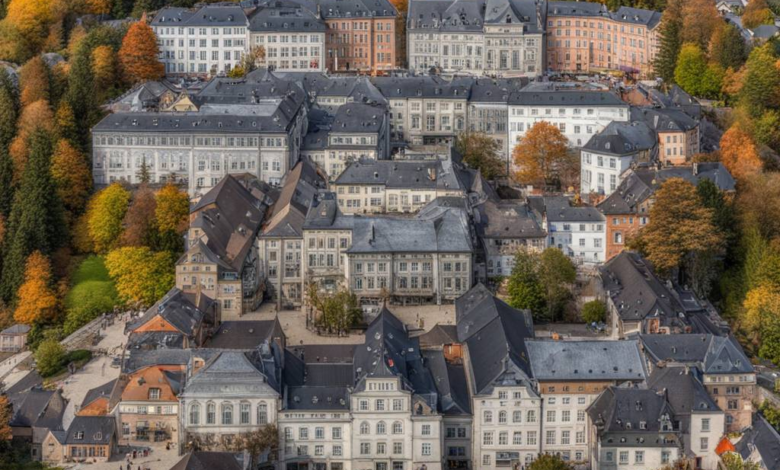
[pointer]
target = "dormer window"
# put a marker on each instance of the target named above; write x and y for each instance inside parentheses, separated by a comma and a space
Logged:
(79, 436)
(98, 436)
(154, 393)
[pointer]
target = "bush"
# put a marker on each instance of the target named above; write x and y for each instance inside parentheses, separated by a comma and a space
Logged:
(79, 356)
(594, 311)
(50, 357)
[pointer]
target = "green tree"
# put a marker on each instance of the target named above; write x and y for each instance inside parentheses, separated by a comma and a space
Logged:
(49, 357)
(480, 151)
(761, 85)
(556, 274)
(722, 212)
(81, 93)
(594, 311)
(771, 413)
(733, 461)
(525, 289)
(727, 47)
(337, 312)
(691, 68)
(106, 212)
(8, 116)
(549, 462)
(6, 181)
(670, 41)
(37, 218)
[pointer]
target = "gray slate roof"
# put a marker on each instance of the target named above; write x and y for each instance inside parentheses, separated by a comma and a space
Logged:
(95, 430)
(639, 16)
(426, 174)
(536, 96)
(450, 382)
(180, 309)
(586, 360)
(244, 334)
(102, 391)
(214, 15)
(208, 461)
(685, 392)
(559, 209)
(506, 219)
(712, 354)
(620, 414)
(359, 118)
(16, 330)
(622, 138)
(664, 119)
(331, 9)
(764, 439)
(580, 9)
(278, 17)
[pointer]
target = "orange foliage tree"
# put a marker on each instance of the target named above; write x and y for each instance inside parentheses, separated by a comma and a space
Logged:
(739, 154)
(138, 54)
(31, 18)
(34, 81)
(104, 66)
(756, 13)
(700, 20)
(6, 413)
(542, 155)
(71, 173)
(36, 299)
(35, 116)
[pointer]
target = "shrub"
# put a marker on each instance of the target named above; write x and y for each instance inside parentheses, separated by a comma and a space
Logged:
(50, 357)
(594, 311)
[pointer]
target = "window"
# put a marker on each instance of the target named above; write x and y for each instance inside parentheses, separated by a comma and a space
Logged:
(551, 416)
(580, 437)
(704, 443)
(487, 417)
(381, 428)
(398, 428)
(580, 416)
(262, 413)
(502, 417)
(639, 457)
(531, 440)
(665, 457)
(336, 434)
(426, 448)
(565, 438)
(705, 425)
(303, 434)
(154, 393)
(517, 438)
(245, 407)
(365, 428)
(566, 416)
(227, 414)
(531, 416)
(380, 448)
(398, 448)
(211, 413)
(195, 414)
(487, 439)
(623, 457)
(426, 429)
(517, 417)
(380, 404)
(398, 405)
(365, 448)
(363, 405)
(486, 460)
(337, 451)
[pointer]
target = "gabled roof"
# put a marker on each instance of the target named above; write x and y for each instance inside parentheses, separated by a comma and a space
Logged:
(631, 15)
(712, 354)
(586, 360)
(216, 15)
(426, 174)
(91, 430)
(622, 138)
(102, 391)
(278, 16)
(450, 380)
(244, 334)
(39, 408)
(560, 209)
(16, 330)
(438, 336)
(664, 119)
(763, 439)
(299, 190)
(633, 414)
(538, 96)
(184, 311)
(208, 461)
(685, 392)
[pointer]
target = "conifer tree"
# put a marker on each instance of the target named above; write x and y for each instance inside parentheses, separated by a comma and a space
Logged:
(81, 93)
(8, 116)
(671, 41)
(6, 182)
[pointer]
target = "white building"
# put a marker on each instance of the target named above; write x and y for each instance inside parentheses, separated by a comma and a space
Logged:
(580, 232)
(578, 114)
(293, 37)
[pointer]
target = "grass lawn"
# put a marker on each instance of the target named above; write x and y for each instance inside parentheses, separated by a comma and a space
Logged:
(92, 293)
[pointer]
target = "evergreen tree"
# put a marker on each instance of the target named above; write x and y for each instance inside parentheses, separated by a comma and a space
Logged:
(8, 116)
(37, 218)
(81, 93)
(671, 41)
(6, 182)
(727, 47)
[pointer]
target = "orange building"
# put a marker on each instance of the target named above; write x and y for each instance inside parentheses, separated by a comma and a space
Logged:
(360, 35)
(149, 404)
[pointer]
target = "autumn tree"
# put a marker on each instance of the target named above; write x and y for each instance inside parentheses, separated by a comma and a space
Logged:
(104, 67)
(739, 154)
(34, 81)
(37, 220)
(99, 7)
(524, 286)
(6, 413)
(680, 226)
(756, 13)
(36, 116)
(761, 85)
(480, 151)
(138, 55)
(72, 176)
(140, 274)
(700, 19)
(542, 155)
(140, 222)
(29, 20)
(172, 217)
(758, 204)
(66, 123)
(670, 40)
(35, 298)
(336, 312)
(548, 462)
(252, 59)
(727, 47)
(258, 442)
(106, 212)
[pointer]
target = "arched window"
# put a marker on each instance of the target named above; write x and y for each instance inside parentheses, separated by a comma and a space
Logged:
(487, 417)
(364, 428)
(381, 428)
(262, 413)
(398, 428)
(227, 413)
(211, 413)
(502, 417)
(195, 413)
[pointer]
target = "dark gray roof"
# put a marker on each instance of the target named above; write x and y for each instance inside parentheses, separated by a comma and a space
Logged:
(764, 439)
(208, 461)
(330, 9)
(765, 31)
(278, 17)
(426, 174)
(684, 390)
(102, 391)
(421, 87)
(149, 340)
(38, 408)
(506, 219)
(551, 97)
(325, 215)
(137, 359)
(214, 15)
(300, 188)
(586, 360)
(438, 336)
(94, 430)
(622, 413)
(318, 398)
(622, 138)
(495, 335)
(713, 354)
(184, 311)
(16, 391)
(261, 365)
(359, 118)
(325, 353)
(631, 15)
(450, 382)
(446, 15)
(559, 209)
(244, 334)
(581, 9)
(493, 90)
(14, 330)
(664, 119)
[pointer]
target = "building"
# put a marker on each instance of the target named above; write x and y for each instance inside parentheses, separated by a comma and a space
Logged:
(227, 393)
(232, 126)
(701, 422)
(578, 114)
(178, 318)
(381, 186)
(504, 401)
(608, 154)
(221, 261)
(148, 404)
(584, 38)
(488, 110)
(760, 445)
(14, 338)
(570, 376)
(91, 439)
(280, 242)
(292, 37)
(678, 133)
(35, 413)
(633, 426)
(501, 37)
(198, 460)
(727, 374)
(627, 209)
(577, 231)
(97, 401)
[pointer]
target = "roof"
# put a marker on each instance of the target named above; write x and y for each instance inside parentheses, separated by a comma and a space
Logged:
(495, 335)
(713, 354)
(184, 311)
(102, 391)
(359, 118)
(259, 366)
(664, 119)
(208, 461)
(622, 138)
(632, 417)
(276, 17)
(451, 384)
(39, 408)
(578, 9)
(137, 359)
(537, 96)
(216, 15)
(427, 174)
(438, 336)
(91, 430)
(506, 220)
(421, 87)
(648, 18)
(559, 209)
(16, 330)
(763, 439)
(330, 9)
(244, 334)
(765, 31)
(684, 390)
(317, 398)
(299, 190)
(586, 360)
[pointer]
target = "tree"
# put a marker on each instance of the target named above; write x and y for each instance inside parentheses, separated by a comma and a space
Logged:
(37, 219)
(66, 123)
(679, 226)
(7, 187)
(556, 275)
(722, 211)
(691, 67)
(138, 55)
(254, 57)
(6, 413)
(670, 40)
(173, 209)
(140, 274)
(34, 81)
(733, 461)
(541, 155)
(256, 443)
(36, 300)
(548, 462)
(81, 93)
(524, 287)
(761, 85)
(700, 19)
(758, 205)
(8, 116)
(106, 213)
(104, 67)
(771, 413)
(72, 176)
(49, 357)
(99, 7)
(756, 13)
(31, 20)
(139, 222)
(338, 312)
(35, 116)
(727, 47)
(480, 151)
(594, 311)
(739, 154)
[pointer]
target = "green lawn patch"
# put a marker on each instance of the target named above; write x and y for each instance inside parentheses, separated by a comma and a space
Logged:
(92, 294)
